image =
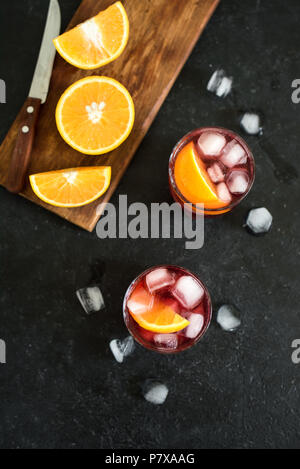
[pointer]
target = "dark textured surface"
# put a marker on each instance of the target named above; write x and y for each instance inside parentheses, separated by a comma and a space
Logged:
(61, 388)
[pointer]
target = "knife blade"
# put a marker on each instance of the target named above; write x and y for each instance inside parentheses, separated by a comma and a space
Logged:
(37, 95)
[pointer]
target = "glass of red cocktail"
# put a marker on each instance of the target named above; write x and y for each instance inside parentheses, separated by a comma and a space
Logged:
(211, 166)
(167, 309)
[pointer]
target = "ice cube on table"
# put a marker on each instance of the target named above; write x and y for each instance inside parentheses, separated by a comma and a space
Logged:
(228, 318)
(195, 326)
(159, 279)
(259, 220)
(220, 84)
(233, 154)
(155, 392)
(250, 123)
(166, 340)
(238, 181)
(224, 87)
(216, 173)
(91, 299)
(122, 348)
(140, 300)
(223, 192)
(211, 143)
(188, 292)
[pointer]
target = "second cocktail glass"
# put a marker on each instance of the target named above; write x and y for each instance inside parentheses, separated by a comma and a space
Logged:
(211, 166)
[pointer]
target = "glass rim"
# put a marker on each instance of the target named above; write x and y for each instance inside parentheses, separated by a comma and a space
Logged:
(181, 143)
(161, 349)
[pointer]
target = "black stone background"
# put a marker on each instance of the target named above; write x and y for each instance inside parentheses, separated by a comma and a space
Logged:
(61, 387)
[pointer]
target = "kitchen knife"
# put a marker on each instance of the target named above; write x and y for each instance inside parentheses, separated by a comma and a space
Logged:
(38, 94)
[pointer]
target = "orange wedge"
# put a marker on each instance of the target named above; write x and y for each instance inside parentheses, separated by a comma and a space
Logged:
(140, 300)
(97, 41)
(160, 318)
(95, 115)
(72, 187)
(193, 180)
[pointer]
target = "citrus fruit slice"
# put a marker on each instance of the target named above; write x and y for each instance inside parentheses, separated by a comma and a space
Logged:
(159, 318)
(192, 179)
(95, 115)
(97, 41)
(72, 187)
(140, 300)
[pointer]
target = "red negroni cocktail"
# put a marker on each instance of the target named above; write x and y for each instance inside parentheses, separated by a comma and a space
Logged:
(167, 309)
(211, 166)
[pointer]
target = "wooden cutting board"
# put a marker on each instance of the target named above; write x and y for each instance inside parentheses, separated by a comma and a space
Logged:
(162, 36)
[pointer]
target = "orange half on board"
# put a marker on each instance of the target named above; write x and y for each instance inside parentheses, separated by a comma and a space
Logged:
(72, 187)
(192, 179)
(97, 41)
(95, 115)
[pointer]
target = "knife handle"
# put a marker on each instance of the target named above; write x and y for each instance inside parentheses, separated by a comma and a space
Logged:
(23, 146)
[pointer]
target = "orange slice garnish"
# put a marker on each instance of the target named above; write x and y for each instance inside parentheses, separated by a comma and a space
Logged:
(95, 115)
(140, 300)
(159, 318)
(192, 179)
(73, 187)
(97, 41)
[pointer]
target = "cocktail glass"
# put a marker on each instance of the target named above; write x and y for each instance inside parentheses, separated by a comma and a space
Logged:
(170, 290)
(211, 166)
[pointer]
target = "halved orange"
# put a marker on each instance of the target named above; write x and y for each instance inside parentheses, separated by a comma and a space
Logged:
(97, 41)
(160, 318)
(72, 187)
(95, 115)
(193, 180)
